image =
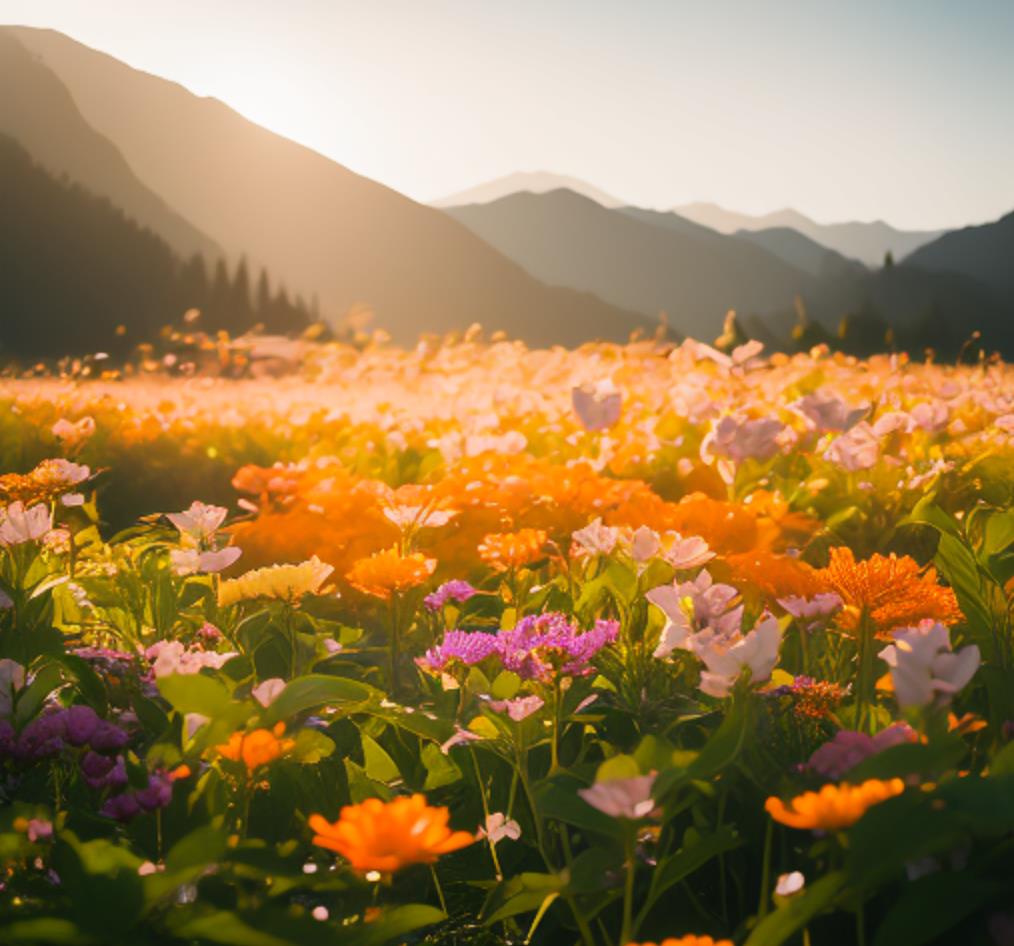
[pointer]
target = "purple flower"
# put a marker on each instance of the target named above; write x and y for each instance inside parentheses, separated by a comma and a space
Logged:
(158, 794)
(467, 647)
(121, 807)
(108, 737)
(7, 738)
(454, 590)
(95, 768)
(42, 737)
(81, 723)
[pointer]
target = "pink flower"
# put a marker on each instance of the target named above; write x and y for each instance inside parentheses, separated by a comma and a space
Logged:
(690, 552)
(826, 412)
(519, 708)
(742, 439)
(498, 826)
(268, 691)
(189, 561)
(847, 749)
(596, 539)
(812, 612)
(598, 406)
(859, 449)
(628, 798)
(198, 523)
(690, 606)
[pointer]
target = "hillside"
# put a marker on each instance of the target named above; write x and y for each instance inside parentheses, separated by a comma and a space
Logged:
(534, 182)
(800, 251)
(985, 253)
(77, 276)
(693, 277)
(317, 225)
(42, 116)
(866, 242)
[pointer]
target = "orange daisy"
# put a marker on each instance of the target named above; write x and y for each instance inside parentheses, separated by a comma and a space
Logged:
(835, 806)
(386, 836)
(505, 550)
(689, 940)
(387, 572)
(890, 591)
(257, 747)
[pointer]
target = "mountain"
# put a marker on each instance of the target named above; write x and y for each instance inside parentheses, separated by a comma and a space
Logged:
(800, 251)
(534, 182)
(866, 242)
(985, 253)
(316, 224)
(77, 275)
(691, 273)
(42, 116)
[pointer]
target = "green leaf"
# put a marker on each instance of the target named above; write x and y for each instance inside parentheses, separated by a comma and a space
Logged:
(440, 769)
(198, 693)
(314, 691)
(204, 846)
(929, 907)
(558, 799)
(311, 746)
(506, 685)
(377, 764)
(523, 893)
(88, 682)
(32, 697)
(225, 927)
(696, 851)
(49, 931)
(777, 927)
(392, 924)
(913, 758)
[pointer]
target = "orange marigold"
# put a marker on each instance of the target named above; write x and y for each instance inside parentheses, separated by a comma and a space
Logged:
(774, 576)
(257, 747)
(835, 806)
(387, 572)
(504, 550)
(891, 592)
(689, 940)
(386, 836)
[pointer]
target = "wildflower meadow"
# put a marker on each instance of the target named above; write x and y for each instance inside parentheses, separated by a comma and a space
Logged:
(475, 644)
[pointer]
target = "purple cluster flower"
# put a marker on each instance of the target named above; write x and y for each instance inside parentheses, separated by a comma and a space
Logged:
(455, 590)
(466, 647)
(542, 644)
(847, 749)
(537, 648)
(128, 805)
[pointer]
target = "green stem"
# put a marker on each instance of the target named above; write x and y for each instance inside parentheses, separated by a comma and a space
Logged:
(395, 649)
(440, 890)
(765, 891)
(627, 932)
(485, 811)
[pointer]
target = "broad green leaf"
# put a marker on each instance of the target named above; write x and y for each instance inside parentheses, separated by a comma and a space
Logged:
(779, 926)
(393, 923)
(314, 691)
(926, 909)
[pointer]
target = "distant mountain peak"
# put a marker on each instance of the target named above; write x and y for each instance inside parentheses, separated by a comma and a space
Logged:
(534, 182)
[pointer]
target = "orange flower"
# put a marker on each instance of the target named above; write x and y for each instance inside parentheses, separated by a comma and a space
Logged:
(257, 747)
(386, 836)
(504, 550)
(688, 940)
(384, 573)
(834, 806)
(774, 576)
(890, 591)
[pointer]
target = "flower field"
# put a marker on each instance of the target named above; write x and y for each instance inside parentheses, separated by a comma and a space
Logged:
(472, 644)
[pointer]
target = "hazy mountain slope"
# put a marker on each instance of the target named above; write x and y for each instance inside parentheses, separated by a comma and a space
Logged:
(37, 110)
(866, 242)
(985, 253)
(535, 182)
(314, 223)
(800, 251)
(672, 221)
(568, 239)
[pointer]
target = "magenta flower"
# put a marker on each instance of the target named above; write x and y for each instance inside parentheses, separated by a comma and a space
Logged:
(455, 590)
(543, 644)
(847, 749)
(464, 647)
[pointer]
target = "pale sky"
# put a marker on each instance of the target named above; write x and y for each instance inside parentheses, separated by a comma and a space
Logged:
(844, 109)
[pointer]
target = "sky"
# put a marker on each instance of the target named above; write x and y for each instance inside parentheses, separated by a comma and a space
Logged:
(844, 109)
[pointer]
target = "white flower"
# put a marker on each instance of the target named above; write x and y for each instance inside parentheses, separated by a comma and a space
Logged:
(693, 605)
(19, 525)
(498, 827)
(622, 797)
(189, 561)
(596, 538)
(644, 544)
(170, 657)
(690, 552)
(789, 884)
(268, 691)
(726, 658)
(199, 522)
(416, 517)
(923, 666)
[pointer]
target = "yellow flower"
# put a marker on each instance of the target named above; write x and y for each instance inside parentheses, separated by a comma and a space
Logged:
(284, 582)
(257, 747)
(834, 806)
(386, 572)
(386, 836)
